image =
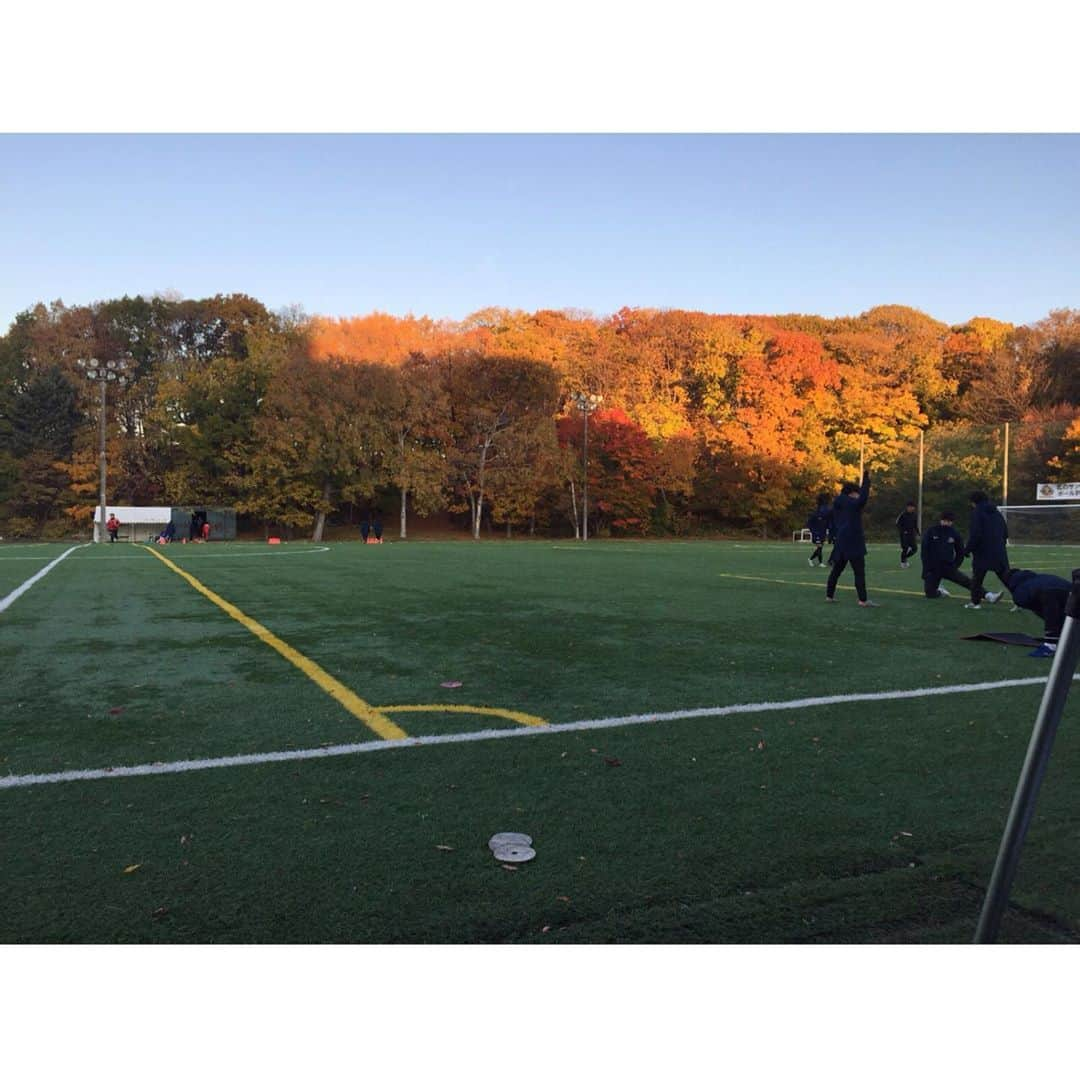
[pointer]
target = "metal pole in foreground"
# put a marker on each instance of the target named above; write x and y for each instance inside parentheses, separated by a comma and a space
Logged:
(1034, 768)
(585, 487)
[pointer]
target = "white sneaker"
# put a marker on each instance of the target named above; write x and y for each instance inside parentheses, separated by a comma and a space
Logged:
(972, 607)
(944, 592)
(992, 597)
(810, 561)
(904, 565)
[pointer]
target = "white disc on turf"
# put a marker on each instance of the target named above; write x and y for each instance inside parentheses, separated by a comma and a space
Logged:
(514, 853)
(503, 839)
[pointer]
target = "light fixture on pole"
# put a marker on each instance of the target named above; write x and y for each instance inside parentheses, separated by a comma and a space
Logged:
(103, 373)
(587, 403)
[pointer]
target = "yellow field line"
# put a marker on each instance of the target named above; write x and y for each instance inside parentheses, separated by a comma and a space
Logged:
(478, 710)
(365, 713)
(820, 584)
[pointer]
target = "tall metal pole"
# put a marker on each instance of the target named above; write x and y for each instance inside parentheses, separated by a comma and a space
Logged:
(1005, 482)
(585, 486)
(101, 461)
(1033, 771)
(918, 513)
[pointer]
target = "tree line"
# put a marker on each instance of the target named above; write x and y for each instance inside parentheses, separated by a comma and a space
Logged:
(706, 423)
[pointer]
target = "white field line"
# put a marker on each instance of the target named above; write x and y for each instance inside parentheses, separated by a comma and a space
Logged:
(237, 555)
(29, 582)
(34, 779)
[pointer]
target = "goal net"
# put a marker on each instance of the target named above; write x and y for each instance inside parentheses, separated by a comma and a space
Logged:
(1042, 524)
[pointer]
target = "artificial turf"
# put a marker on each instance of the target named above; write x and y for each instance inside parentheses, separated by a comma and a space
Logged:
(854, 822)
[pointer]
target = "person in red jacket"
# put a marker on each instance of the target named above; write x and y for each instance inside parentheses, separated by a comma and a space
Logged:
(205, 531)
(112, 526)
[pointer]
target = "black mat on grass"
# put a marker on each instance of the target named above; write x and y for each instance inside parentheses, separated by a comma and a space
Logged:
(1005, 639)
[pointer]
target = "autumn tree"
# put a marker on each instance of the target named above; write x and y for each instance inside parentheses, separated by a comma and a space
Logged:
(320, 438)
(501, 409)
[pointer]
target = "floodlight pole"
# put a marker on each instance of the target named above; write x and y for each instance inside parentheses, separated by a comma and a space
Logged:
(1005, 477)
(1033, 771)
(110, 371)
(918, 515)
(101, 462)
(587, 403)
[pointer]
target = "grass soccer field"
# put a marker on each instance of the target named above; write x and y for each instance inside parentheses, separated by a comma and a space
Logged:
(244, 743)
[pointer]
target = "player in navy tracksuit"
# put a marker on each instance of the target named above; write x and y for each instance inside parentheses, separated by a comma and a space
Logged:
(848, 539)
(907, 525)
(1045, 595)
(820, 525)
(986, 543)
(942, 553)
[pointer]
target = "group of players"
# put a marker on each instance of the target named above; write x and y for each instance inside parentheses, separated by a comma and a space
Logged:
(942, 552)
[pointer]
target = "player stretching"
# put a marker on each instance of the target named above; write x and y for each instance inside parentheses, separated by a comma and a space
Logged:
(850, 543)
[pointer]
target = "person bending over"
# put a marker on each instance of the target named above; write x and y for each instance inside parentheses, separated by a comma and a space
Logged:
(1045, 595)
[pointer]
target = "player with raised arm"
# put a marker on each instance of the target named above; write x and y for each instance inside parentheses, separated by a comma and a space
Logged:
(849, 539)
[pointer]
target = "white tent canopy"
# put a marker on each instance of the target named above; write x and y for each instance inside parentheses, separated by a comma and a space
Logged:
(136, 522)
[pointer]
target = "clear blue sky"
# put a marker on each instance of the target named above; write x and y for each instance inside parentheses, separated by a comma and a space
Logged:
(443, 225)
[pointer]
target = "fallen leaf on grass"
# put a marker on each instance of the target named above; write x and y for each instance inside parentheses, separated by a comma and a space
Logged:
(612, 761)
(443, 847)
(160, 913)
(450, 684)
(507, 866)
(117, 711)
(544, 929)
(185, 840)
(132, 868)
(564, 899)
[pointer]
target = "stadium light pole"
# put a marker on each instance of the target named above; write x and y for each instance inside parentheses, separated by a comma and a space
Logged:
(918, 513)
(102, 374)
(587, 403)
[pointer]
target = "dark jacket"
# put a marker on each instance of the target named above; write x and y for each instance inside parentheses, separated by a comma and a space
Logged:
(942, 549)
(986, 540)
(820, 524)
(907, 522)
(847, 522)
(1027, 588)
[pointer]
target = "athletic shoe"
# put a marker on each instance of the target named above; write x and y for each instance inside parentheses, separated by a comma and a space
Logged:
(830, 600)
(992, 597)
(944, 592)
(904, 565)
(810, 561)
(972, 607)
(1043, 652)
(868, 603)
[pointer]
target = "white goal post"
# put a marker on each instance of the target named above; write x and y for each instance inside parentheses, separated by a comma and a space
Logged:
(801, 536)
(1043, 523)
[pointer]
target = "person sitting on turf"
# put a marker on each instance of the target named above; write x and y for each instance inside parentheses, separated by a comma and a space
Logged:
(167, 535)
(848, 539)
(1045, 595)
(942, 553)
(986, 543)
(820, 525)
(907, 525)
